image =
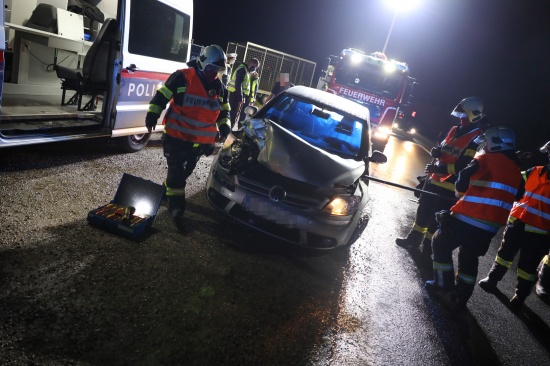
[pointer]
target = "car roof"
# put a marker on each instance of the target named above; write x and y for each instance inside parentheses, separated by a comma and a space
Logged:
(330, 100)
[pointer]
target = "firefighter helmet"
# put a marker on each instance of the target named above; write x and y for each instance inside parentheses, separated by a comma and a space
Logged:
(497, 139)
(212, 55)
(545, 148)
(471, 107)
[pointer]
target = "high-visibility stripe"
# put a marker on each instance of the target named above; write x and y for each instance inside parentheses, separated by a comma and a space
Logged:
(153, 108)
(546, 260)
(469, 279)
(487, 201)
(166, 92)
(170, 192)
(495, 185)
(419, 228)
(527, 276)
(444, 267)
(470, 152)
(429, 235)
(538, 197)
(534, 230)
(446, 185)
(476, 223)
(503, 262)
(451, 168)
(182, 89)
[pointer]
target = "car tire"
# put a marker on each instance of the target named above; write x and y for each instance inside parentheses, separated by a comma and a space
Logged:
(133, 143)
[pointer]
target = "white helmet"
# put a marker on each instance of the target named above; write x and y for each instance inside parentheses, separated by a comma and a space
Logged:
(471, 107)
(497, 139)
(212, 55)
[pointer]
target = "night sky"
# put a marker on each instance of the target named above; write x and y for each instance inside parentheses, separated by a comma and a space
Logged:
(498, 50)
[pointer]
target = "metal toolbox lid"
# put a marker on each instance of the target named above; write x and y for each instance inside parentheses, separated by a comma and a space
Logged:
(140, 193)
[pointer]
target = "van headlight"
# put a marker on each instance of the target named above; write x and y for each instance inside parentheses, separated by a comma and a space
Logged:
(342, 205)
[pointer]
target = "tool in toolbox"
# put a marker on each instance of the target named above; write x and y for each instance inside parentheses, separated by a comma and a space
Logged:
(133, 209)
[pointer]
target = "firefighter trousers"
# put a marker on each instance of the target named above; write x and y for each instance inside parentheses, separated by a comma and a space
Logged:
(182, 157)
(472, 242)
(532, 248)
(428, 205)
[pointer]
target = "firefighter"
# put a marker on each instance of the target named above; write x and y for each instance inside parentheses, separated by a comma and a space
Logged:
(486, 189)
(239, 86)
(197, 117)
(527, 233)
(455, 152)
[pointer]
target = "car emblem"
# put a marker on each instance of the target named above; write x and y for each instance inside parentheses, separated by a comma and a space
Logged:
(277, 194)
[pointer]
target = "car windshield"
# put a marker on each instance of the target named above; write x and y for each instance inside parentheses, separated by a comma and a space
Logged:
(330, 130)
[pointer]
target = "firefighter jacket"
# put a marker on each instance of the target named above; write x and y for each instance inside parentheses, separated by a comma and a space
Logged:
(195, 111)
(534, 207)
(239, 82)
(493, 186)
(457, 150)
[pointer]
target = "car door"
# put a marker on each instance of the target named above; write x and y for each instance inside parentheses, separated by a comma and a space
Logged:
(156, 41)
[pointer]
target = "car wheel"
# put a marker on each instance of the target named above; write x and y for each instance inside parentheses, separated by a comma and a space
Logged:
(133, 143)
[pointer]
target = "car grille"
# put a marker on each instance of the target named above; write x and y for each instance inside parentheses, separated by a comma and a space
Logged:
(298, 194)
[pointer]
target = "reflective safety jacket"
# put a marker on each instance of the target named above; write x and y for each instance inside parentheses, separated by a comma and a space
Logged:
(491, 192)
(452, 148)
(254, 81)
(534, 208)
(234, 83)
(194, 113)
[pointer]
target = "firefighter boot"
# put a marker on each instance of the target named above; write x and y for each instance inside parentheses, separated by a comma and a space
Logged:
(412, 240)
(443, 281)
(543, 284)
(489, 283)
(463, 293)
(523, 289)
(176, 208)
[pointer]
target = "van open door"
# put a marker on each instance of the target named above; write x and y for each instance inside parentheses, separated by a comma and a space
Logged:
(156, 42)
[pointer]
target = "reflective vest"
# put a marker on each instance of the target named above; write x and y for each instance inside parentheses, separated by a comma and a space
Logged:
(195, 120)
(534, 207)
(452, 148)
(253, 88)
(245, 85)
(492, 191)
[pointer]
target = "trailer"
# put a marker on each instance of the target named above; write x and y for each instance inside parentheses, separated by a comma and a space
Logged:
(272, 63)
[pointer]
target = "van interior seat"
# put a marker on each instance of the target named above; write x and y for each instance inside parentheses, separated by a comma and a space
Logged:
(93, 78)
(44, 18)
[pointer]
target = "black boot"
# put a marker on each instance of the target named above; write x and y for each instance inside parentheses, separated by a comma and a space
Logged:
(490, 282)
(443, 281)
(176, 208)
(463, 293)
(543, 284)
(413, 240)
(523, 289)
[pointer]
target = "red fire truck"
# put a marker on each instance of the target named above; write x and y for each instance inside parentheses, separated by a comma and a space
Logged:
(382, 85)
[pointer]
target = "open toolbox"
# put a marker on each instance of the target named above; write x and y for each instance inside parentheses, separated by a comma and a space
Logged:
(133, 209)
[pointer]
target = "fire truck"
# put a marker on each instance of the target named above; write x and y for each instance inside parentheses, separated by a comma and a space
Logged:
(73, 69)
(373, 80)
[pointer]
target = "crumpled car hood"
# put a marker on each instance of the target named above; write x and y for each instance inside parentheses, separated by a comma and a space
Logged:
(285, 153)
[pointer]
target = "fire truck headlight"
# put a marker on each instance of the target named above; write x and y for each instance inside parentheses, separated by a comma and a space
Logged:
(382, 132)
(342, 205)
(356, 58)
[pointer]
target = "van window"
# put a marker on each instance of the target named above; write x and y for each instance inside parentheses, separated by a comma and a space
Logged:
(157, 30)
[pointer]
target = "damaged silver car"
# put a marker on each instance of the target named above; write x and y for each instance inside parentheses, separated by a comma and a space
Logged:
(294, 170)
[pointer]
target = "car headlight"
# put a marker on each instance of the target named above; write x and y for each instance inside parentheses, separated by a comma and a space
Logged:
(412, 131)
(342, 205)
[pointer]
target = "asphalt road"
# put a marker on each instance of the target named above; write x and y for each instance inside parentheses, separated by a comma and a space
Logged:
(223, 294)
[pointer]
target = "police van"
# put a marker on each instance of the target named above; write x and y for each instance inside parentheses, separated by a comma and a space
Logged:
(76, 69)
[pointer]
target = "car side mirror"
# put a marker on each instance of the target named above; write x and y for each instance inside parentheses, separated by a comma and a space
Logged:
(251, 110)
(378, 157)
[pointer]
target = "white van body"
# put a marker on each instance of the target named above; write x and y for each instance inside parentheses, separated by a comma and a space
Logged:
(145, 41)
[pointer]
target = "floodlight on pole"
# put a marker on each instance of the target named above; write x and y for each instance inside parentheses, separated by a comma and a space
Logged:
(398, 5)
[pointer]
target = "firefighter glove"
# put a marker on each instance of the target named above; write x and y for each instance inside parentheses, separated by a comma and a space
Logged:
(435, 152)
(431, 168)
(151, 124)
(224, 131)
